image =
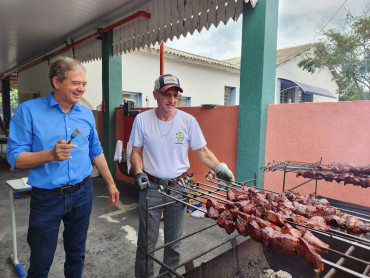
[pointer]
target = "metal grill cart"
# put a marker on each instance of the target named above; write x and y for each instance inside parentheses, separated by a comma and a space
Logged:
(348, 255)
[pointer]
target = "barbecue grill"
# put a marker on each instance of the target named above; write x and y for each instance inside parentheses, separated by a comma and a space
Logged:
(348, 255)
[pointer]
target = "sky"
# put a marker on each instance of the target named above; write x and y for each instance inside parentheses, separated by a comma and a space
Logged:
(299, 22)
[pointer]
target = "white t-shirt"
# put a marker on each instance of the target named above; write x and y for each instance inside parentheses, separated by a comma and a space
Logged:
(166, 143)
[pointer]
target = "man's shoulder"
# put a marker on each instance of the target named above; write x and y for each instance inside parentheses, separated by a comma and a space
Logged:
(33, 103)
(146, 114)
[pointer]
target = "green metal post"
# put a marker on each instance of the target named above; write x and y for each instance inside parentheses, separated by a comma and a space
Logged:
(112, 96)
(257, 85)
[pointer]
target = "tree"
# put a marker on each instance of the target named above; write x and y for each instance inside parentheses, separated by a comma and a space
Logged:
(14, 98)
(347, 55)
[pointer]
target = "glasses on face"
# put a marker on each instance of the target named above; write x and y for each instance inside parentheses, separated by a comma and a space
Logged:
(169, 95)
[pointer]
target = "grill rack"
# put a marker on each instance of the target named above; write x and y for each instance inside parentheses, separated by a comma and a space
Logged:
(216, 191)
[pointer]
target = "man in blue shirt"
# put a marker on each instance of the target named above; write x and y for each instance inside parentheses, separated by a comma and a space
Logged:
(59, 171)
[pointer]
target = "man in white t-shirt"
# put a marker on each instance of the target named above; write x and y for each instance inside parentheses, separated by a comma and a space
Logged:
(161, 138)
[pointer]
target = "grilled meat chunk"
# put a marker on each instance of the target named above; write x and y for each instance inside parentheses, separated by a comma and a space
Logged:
(315, 242)
(308, 253)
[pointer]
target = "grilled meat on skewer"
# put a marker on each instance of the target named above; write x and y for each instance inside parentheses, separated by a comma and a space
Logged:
(308, 253)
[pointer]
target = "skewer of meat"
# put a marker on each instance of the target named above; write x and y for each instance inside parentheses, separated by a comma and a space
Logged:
(287, 240)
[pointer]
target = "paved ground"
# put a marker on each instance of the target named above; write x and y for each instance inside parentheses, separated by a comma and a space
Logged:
(111, 242)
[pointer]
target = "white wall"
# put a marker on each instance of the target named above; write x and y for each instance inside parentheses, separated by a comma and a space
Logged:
(321, 78)
(94, 91)
(202, 82)
(205, 85)
(35, 79)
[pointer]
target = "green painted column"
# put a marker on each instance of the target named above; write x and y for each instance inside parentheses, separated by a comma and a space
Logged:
(112, 95)
(257, 86)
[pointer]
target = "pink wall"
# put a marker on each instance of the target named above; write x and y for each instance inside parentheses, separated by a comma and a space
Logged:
(220, 128)
(305, 132)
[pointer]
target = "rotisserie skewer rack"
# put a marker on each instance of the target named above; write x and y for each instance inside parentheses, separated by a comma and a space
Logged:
(217, 190)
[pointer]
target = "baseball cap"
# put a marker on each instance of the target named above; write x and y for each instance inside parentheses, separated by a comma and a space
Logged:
(166, 81)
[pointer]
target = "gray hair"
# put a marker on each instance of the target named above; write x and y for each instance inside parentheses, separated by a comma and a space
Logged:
(61, 66)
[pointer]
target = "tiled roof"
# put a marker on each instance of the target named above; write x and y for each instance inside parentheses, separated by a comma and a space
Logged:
(282, 55)
(192, 57)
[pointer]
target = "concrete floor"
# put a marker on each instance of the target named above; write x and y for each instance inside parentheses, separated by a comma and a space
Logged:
(111, 241)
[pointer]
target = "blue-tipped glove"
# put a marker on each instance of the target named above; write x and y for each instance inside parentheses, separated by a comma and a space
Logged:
(141, 180)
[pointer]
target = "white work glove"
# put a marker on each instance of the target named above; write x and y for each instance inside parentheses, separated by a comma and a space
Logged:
(223, 172)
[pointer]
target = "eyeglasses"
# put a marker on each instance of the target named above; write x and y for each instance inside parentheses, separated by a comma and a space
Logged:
(169, 95)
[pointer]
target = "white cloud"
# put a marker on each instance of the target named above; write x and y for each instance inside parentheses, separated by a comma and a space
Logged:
(299, 22)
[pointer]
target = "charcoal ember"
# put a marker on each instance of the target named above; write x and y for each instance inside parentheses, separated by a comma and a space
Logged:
(269, 273)
(309, 254)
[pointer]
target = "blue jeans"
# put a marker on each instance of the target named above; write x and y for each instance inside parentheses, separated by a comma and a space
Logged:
(173, 217)
(46, 212)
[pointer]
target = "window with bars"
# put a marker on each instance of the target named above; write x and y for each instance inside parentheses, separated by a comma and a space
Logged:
(287, 93)
(303, 97)
(229, 95)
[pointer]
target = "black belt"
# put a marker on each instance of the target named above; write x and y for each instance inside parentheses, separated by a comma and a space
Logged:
(168, 181)
(64, 189)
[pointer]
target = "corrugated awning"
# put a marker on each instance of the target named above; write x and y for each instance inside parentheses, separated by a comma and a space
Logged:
(170, 18)
(308, 89)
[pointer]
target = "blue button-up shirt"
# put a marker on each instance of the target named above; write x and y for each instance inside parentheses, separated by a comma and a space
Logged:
(38, 125)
